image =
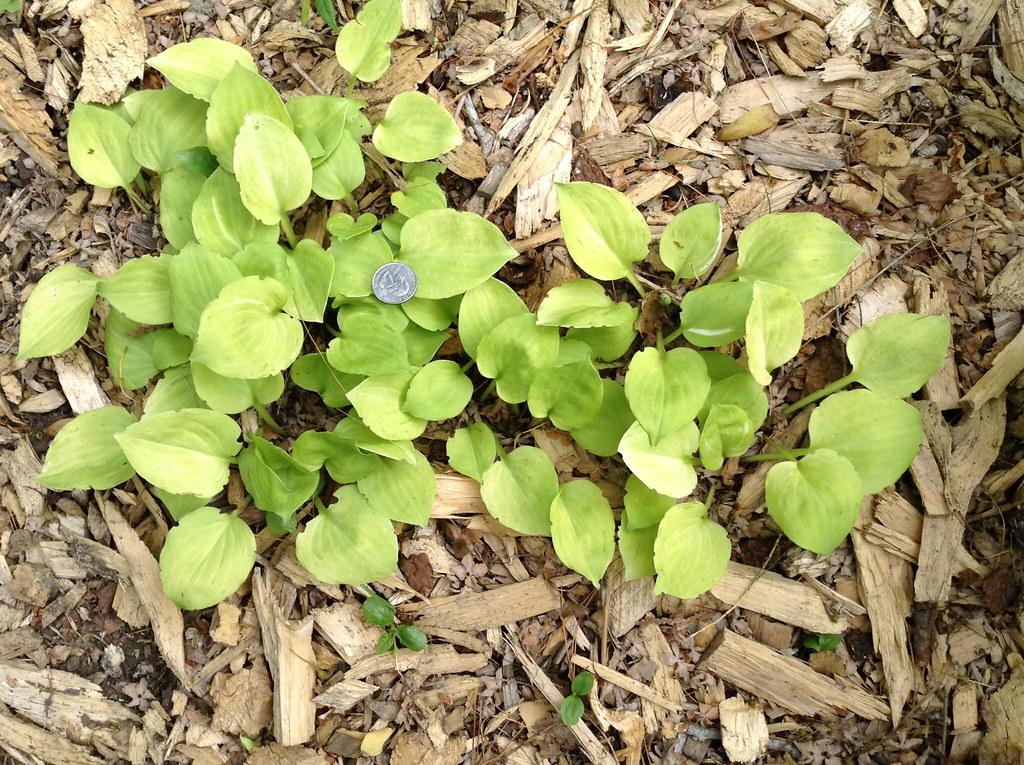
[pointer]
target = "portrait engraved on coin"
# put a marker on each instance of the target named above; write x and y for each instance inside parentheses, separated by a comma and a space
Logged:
(394, 283)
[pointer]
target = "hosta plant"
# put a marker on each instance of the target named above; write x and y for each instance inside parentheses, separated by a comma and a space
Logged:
(238, 308)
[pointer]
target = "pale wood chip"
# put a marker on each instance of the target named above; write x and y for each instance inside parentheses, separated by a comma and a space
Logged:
(1004, 717)
(627, 683)
(635, 14)
(416, 15)
(47, 401)
(965, 708)
(536, 200)
(1006, 291)
(744, 730)
(943, 388)
(844, 28)
(37, 742)
(347, 631)
(819, 10)
(242, 701)
(344, 695)
(969, 20)
(789, 96)
(680, 119)
(593, 62)
(22, 466)
(115, 47)
(471, 611)
(29, 59)
(1008, 363)
(1011, 35)
(24, 117)
(912, 13)
(627, 602)
(434, 660)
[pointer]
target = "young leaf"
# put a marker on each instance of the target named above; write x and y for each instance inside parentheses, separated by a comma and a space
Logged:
(570, 392)
(583, 529)
(141, 290)
(690, 553)
(644, 507)
(607, 343)
(179, 190)
(726, 432)
(135, 353)
(452, 252)
(690, 243)
(483, 308)
(172, 392)
(438, 391)
(356, 259)
(378, 611)
(815, 500)
(636, 548)
(277, 482)
(401, 491)
(421, 192)
(803, 252)
(265, 259)
(348, 542)
(582, 303)
(243, 332)
(196, 278)
(720, 365)
(715, 314)
(344, 461)
(379, 401)
(740, 390)
(518, 490)
(472, 450)
(602, 434)
(666, 466)
(385, 643)
(222, 224)
(775, 327)
(169, 121)
(185, 452)
(582, 684)
(351, 429)
(231, 395)
(320, 121)
(310, 271)
(205, 558)
(879, 435)
(571, 710)
(57, 311)
(98, 147)
(666, 389)
(364, 45)
(272, 168)
(603, 231)
(312, 372)
(513, 352)
(897, 354)
(411, 637)
(84, 454)
(240, 95)
(415, 128)
(197, 67)
(180, 505)
(433, 315)
(341, 172)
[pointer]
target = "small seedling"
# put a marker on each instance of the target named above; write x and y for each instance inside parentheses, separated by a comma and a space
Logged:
(822, 642)
(381, 613)
(572, 707)
(10, 6)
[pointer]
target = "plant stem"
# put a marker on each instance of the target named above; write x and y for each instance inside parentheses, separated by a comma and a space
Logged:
(289, 232)
(829, 389)
(350, 86)
(660, 343)
(490, 388)
(673, 336)
(304, 13)
(780, 454)
(631, 278)
(261, 410)
(468, 365)
(136, 199)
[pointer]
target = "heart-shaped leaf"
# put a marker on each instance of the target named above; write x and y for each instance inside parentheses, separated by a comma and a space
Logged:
(582, 303)
(607, 343)
(57, 312)
(519, 488)
(222, 224)
(172, 392)
(272, 168)
(84, 454)
(136, 353)
(197, 67)
(636, 548)
(415, 128)
(312, 372)
(483, 308)
(196, 278)
(775, 328)
(98, 147)
(240, 95)
(602, 434)
(666, 389)
(345, 462)
(356, 259)
(170, 121)
(401, 491)
(141, 290)
(277, 482)
(603, 230)
(644, 506)
(231, 395)
(514, 351)
(666, 466)
(364, 44)
(716, 314)
(380, 399)
(583, 529)
(569, 392)
(310, 272)
(471, 450)
(438, 391)
(898, 353)
(691, 241)
(179, 190)
(691, 551)
(726, 432)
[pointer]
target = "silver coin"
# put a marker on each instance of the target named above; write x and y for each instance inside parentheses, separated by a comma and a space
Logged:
(394, 283)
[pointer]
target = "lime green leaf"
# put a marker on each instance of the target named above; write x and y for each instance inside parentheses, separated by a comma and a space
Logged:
(666, 389)
(344, 461)
(348, 542)
(184, 452)
(411, 637)
(172, 392)
(879, 435)
(583, 529)
(57, 311)
(607, 343)
(644, 506)
(265, 259)
(98, 147)
(716, 314)
(401, 491)
(341, 172)
(603, 231)
(135, 353)
(740, 390)
(483, 308)
(197, 67)
(434, 315)
(205, 558)
(312, 372)
(438, 391)
(720, 365)
(415, 128)
(356, 259)
(169, 121)
(379, 399)
(368, 345)
(422, 343)
(815, 500)
(803, 252)
(690, 553)
(421, 192)
(775, 328)
(582, 303)
(343, 226)
(519, 488)
(472, 450)
(666, 466)
(351, 429)
(179, 190)
(897, 354)
(452, 252)
(364, 45)
(277, 482)
(601, 436)
(636, 548)
(514, 351)
(180, 505)
(141, 290)
(221, 222)
(198, 159)
(690, 243)
(311, 270)
(232, 395)
(243, 332)
(240, 95)
(84, 454)
(196, 278)
(321, 121)
(272, 168)
(727, 432)
(570, 392)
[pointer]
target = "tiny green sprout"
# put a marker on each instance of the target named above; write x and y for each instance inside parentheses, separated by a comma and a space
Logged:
(379, 611)
(247, 743)
(822, 642)
(582, 684)
(10, 6)
(411, 637)
(572, 707)
(386, 642)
